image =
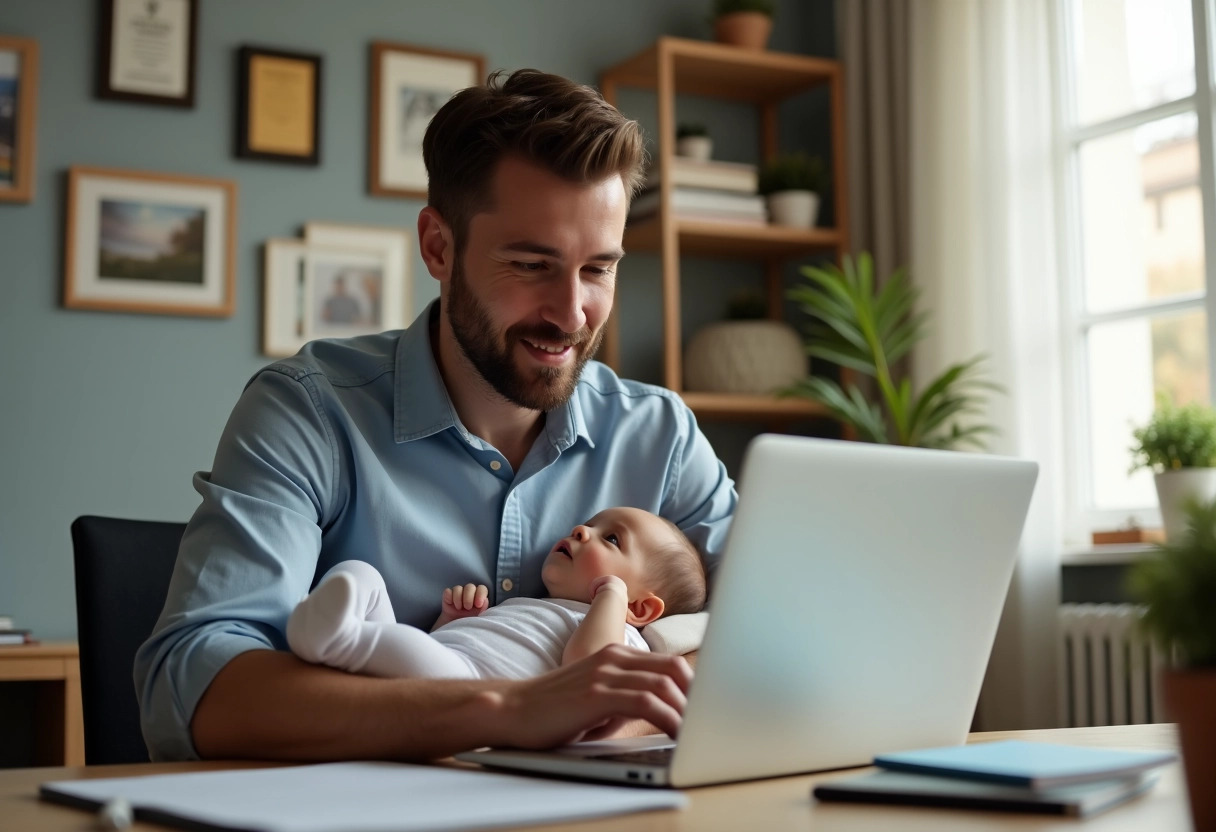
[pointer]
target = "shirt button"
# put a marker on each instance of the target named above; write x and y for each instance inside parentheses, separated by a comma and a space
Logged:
(507, 585)
(495, 465)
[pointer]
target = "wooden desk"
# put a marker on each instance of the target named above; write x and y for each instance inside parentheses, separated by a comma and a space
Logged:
(779, 804)
(60, 722)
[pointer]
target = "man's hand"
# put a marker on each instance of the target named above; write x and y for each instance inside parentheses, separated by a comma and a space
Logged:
(462, 602)
(594, 697)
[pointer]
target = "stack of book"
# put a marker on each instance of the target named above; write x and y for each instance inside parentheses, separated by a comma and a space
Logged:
(713, 191)
(1010, 775)
(10, 635)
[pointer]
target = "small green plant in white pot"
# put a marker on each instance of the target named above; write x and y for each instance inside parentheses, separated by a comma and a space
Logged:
(792, 184)
(1178, 444)
(694, 142)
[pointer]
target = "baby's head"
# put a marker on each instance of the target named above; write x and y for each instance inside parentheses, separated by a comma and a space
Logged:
(661, 567)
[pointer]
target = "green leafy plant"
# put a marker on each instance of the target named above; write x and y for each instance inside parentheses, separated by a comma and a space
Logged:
(1176, 436)
(857, 326)
(687, 130)
(721, 7)
(1177, 585)
(792, 172)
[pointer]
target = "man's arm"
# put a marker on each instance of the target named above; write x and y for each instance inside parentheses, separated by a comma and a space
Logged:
(270, 705)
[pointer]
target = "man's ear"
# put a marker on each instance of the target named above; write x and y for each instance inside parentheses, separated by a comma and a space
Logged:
(644, 610)
(436, 244)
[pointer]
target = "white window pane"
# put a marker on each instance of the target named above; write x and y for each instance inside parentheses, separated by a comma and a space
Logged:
(1131, 54)
(1142, 214)
(1128, 362)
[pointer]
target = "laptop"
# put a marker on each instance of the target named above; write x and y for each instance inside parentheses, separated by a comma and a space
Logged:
(852, 614)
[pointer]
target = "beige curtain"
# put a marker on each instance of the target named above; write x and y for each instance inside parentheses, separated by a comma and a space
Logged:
(874, 44)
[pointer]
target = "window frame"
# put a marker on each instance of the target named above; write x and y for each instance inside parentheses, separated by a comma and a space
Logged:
(1081, 515)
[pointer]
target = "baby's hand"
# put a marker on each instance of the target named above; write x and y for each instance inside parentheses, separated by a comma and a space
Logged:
(464, 601)
(609, 583)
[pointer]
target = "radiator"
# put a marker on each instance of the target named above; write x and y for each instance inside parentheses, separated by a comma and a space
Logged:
(1108, 670)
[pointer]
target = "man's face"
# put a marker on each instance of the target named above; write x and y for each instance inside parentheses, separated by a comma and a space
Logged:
(528, 298)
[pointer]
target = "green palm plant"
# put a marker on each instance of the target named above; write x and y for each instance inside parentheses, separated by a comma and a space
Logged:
(857, 326)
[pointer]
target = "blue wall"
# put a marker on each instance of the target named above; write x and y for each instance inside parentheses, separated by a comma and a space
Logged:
(105, 413)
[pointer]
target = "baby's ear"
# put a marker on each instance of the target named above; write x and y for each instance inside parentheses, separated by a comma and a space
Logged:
(644, 610)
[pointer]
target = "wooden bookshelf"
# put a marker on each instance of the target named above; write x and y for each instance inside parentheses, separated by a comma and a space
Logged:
(674, 66)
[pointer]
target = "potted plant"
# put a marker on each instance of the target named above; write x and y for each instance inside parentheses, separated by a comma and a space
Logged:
(747, 354)
(1179, 445)
(1177, 585)
(791, 184)
(693, 141)
(856, 325)
(746, 23)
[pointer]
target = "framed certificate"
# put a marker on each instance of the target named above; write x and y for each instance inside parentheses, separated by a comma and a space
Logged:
(147, 51)
(279, 106)
(409, 84)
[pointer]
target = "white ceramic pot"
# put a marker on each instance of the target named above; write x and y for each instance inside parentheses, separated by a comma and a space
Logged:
(796, 209)
(1174, 488)
(757, 357)
(700, 148)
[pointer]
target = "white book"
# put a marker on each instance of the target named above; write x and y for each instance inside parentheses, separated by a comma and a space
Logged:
(701, 200)
(739, 177)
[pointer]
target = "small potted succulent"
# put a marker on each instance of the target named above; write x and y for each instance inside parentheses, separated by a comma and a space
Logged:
(1177, 585)
(694, 142)
(792, 184)
(745, 23)
(1179, 445)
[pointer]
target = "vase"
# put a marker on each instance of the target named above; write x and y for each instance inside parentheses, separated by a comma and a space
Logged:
(1190, 701)
(746, 357)
(1174, 488)
(793, 209)
(747, 29)
(695, 147)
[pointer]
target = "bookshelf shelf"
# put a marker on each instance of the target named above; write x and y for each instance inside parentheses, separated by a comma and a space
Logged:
(677, 66)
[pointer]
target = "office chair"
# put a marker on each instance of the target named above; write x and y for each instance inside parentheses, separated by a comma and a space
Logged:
(122, 576)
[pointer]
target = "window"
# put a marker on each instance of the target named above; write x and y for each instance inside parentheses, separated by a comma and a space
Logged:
(1135, 168)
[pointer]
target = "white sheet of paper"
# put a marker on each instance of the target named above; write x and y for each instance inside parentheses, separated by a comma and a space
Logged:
(367, 797)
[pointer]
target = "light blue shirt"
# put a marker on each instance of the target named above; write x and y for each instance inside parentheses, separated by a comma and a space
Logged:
(353, 450)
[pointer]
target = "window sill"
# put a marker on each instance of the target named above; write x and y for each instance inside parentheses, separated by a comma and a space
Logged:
(1111, 554)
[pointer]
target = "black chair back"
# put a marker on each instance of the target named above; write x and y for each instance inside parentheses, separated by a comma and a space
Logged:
(123, 569)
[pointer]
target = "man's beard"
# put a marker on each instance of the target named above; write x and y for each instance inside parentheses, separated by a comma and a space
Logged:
(538, 388)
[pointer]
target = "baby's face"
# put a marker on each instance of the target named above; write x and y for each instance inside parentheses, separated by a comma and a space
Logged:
(617, 541)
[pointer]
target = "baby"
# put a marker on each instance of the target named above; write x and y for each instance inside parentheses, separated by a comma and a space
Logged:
(621, 570)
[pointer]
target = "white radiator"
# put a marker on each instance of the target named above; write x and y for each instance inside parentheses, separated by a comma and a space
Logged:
(1108, 670)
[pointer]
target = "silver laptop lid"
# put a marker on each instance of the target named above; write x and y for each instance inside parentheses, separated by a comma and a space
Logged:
(855, 606)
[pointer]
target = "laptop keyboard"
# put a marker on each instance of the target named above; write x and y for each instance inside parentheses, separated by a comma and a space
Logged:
(647, 757)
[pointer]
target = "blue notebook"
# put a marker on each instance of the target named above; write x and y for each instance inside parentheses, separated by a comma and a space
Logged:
(1036, 765)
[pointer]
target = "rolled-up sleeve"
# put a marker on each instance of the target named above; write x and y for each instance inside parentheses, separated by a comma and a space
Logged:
(248, 555)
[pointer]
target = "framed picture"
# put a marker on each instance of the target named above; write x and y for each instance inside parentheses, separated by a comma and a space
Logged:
(149, 242)
(147, 51)
(342, 280)
(409, 84)
(18, 107)
(279, 109)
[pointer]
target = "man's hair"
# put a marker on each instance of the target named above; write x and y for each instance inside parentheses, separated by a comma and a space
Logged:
(677, 574)
(567, 128)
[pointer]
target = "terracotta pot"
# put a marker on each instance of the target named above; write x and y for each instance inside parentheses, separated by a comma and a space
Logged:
(1190, 700)
(747, 29)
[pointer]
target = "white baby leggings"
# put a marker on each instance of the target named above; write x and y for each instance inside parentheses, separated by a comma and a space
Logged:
(347, 622)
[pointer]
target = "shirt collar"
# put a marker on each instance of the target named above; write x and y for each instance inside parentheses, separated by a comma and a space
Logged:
(422, 407)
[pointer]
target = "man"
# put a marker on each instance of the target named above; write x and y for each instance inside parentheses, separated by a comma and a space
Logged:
(451, 452)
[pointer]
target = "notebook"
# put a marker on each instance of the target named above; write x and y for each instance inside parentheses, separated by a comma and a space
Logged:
(852, 614)
(901, 788)
(1035, 765)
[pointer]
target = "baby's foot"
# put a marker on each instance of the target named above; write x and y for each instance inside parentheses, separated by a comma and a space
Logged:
(324, 627)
